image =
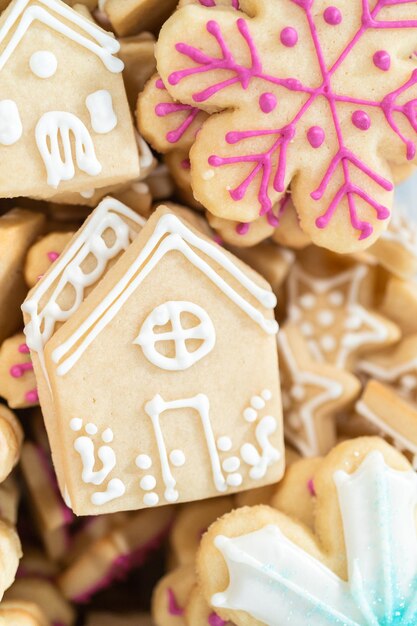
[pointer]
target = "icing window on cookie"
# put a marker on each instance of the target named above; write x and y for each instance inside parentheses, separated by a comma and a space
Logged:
(184, 340)
(100, 107)
(11, 128)
(53, 138)
(200, 403)
(43, 64)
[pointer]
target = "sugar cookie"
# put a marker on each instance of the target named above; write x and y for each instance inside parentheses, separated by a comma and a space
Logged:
(46, 596)
(244, 66)
(258, 566)
(170, 596)
(17, 379)
(16, 613)
(11, 437)
(43, 253)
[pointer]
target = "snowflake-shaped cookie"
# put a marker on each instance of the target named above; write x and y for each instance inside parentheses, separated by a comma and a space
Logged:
(359, 568)
(333, 317)
(318, 96)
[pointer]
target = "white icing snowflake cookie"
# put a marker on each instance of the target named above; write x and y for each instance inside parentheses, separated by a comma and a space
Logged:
(259, 567)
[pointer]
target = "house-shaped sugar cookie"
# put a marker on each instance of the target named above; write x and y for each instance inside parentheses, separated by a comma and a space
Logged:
(65, 123)
(105, 235)
(165, 382)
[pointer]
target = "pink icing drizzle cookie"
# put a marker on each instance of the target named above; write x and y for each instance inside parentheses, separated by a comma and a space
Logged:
(270, 166)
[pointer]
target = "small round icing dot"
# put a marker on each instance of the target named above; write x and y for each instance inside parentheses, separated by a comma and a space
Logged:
(361, 120)
(148, 482)
(336, 298)
(298, 392)
(107, 436)
(325, 318)
(250, 415)
(307, 329)
(143, 461)
(231, 464)
(266, 394)
(382, 60)
(308, 301)
(257, 402)
(151, 499)
(91, 429)
(234, 480)
(267, 102)
(315, 136)
(43, 64)
(224, 444)
(76, 424)
(289, 37)
(172, 496)
(177, 458)
(328, 343)
(332, 16)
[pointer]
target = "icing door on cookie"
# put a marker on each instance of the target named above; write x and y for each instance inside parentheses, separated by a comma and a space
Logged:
(177, 425)
(188, 341)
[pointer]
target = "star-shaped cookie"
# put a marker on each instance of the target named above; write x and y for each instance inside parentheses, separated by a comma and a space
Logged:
(312, 395)
(334, 313)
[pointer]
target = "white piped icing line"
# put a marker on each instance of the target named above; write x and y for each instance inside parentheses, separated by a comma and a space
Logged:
(100, 107)
(305, 412)
(378, 508)
(43, 64)
(55, 127)
(110, 214)
(11, 128)
(86, 448)
(361, 327)
(170, 312)
(201, 405)
(62, 19)
(170, 234)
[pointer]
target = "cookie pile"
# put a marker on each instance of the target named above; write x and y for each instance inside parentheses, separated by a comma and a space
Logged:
(208, 313)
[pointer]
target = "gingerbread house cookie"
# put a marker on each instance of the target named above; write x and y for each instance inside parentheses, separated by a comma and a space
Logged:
(153, 355)
(74, 133)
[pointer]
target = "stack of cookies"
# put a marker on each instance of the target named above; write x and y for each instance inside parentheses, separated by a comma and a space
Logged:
(208, 313)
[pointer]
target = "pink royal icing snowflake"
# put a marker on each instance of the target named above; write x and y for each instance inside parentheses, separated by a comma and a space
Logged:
(311, 94)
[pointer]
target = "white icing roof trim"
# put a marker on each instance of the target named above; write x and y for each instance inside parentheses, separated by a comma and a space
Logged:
(169, 234)
(22, 16)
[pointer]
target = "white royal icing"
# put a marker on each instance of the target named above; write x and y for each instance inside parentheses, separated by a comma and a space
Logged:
(56, 16)
(11, 128)
(43, 63)
(67, 270)
(269, 455)
(86, 448)
(307, 443)
(170, 312)
(100, 107)
(361, 326)
(56, 127)
(276, 582)
(201, 405)
(143, 461)
(115, 489)
(169, 234)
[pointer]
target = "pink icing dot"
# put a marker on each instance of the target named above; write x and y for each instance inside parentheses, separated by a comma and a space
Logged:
(52, 256)
(315, 136)
(289, 37)
(361, 120)
(267, 102)
(382, 60)
(32, 396)
(310, 487)
(186, 164)
(23, 348)
(242, 229)
(332, 16)
(18, 370)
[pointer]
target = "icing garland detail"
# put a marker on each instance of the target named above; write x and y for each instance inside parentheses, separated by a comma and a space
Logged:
(271, 165)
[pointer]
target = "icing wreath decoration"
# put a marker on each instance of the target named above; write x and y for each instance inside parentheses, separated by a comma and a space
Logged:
(318, 96)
